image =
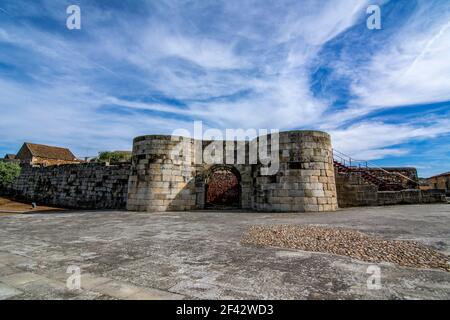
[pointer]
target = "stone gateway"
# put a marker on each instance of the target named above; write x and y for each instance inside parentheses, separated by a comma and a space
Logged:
(304, 181)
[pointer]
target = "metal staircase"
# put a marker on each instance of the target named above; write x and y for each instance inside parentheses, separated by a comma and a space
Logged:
(345, 164)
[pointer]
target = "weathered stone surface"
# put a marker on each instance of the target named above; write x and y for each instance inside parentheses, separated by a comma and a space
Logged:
(7, 292)
(354, 191)
(160, 181)
(84, 186)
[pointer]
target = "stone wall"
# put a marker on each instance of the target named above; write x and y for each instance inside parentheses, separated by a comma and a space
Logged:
(50, 162)
(169, 174)
(396, 175)
(410, 196)
(354, 191)
(83, 186)
(162, 181)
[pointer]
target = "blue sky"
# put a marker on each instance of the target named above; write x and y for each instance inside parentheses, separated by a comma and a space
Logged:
(143, 67)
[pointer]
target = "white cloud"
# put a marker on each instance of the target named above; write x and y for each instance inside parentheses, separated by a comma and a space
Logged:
(70, 116)
(316, 29)
(413, 68)
(374, 140)
(245, 65)
(206, 53)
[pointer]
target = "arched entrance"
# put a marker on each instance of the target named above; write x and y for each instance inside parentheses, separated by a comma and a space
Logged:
(223, 188)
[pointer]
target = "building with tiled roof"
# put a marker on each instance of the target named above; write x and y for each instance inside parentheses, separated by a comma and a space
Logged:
(440, 181)
(39, 154)
(10, 156)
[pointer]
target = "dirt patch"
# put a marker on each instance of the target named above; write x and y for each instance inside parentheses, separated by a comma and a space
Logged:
(9, 206)
(349, 243)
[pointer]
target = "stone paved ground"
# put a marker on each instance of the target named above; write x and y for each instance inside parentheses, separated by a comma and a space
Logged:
(198, 255)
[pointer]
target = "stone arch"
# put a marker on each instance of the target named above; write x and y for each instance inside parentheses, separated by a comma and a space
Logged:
(305, 180)
(223, 187)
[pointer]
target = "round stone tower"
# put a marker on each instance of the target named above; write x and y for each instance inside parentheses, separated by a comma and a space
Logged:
(162, 174)
(305, 179)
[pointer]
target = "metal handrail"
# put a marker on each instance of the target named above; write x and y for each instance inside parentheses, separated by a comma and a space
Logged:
(371, 164)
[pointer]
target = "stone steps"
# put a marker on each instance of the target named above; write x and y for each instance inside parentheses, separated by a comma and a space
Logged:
(369, 177)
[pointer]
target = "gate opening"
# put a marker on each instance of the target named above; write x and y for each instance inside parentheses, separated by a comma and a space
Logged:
(223, 190)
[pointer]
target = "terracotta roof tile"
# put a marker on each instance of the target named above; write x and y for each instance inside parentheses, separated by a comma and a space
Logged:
(49, 152)
(441, 175)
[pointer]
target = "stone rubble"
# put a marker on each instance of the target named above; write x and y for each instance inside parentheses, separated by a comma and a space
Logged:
(347, 242)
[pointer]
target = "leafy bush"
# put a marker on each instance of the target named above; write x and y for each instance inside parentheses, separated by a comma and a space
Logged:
(8, 172)
(114, 156)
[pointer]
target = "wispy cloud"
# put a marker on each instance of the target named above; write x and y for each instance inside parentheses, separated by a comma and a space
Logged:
(368, 140)
(156, 66)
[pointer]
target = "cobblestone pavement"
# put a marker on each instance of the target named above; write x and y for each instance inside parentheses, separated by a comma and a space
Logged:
(198, 255)
(347, 242)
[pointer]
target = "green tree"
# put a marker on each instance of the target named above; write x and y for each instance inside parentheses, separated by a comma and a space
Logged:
(8, 172)
(114, 156)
